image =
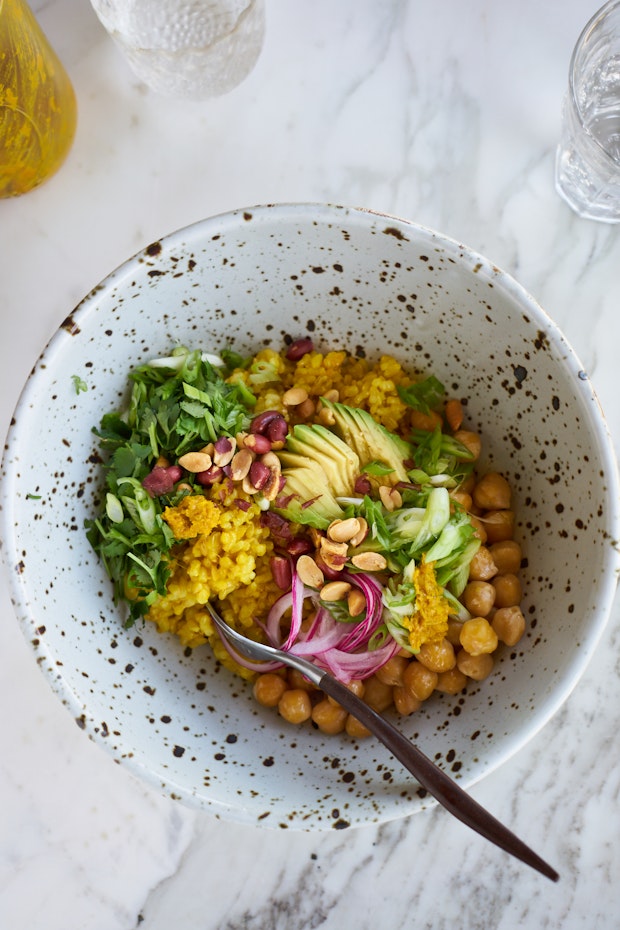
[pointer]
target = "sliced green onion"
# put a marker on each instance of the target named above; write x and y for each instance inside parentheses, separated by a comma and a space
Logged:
(114, 508)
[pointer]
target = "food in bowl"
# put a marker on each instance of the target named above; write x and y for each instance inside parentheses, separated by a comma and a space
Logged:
(349, 279)
(333, 508)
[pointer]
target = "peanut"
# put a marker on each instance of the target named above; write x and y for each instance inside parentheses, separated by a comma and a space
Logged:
(299, 348)
(224, 450)
(294, 396)
(326, 417)
(390, 497)
(309, 572)
(195, 462)
(240, 465)
(306, 410)
(356, 602)
(334, 591)
(271, 487)
(343, 530)
(333, 554)
(361, 535)
(369, 561)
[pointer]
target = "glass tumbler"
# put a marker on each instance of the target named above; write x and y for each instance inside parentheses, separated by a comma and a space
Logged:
(587, 171)
(38, 112)
(190, 49)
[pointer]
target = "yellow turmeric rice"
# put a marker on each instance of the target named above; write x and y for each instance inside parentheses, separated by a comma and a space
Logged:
(226, 558)
(358, 382)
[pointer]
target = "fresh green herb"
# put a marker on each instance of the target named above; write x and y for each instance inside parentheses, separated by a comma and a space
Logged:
(425, 395)
(134, 559)
(340, 611)
(424, 525)
(400, 602)
(453, 551)
(79, 385)
(233, 360)
(176, 404)
(375, 515)
(437, 454)
(417, 528)
(171, 411)
(377, 469)
(263, 372)
(33, 497)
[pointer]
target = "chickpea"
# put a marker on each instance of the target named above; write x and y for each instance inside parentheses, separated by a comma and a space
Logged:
(419, 680)
(478, 527)
(468, 484)
(425, 421)
(329, 717)
(509, 625)
(476, 667)
(453, 412)
(404, 701)
(482, 567)
(507, 556)
(478, 636)
(492, 492)
(269, 688)
(377, 694)
(295, 705)
(438, 657)
(355, 686)
(355, 729)
(392, 672)
(470, 440)
(454, 631)
(499, 525)
(508, 592)
(463, 499)
(452, 681)
(478, 597)
(297, 681)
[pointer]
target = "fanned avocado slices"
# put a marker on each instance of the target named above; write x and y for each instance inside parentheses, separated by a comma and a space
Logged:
(370, 441)
(318, 468)
(307, 496)
(340, 463)
(321, 465)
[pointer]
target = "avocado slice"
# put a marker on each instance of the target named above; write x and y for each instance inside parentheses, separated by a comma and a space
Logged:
(370, 441)
(340, 463)
(307, 494)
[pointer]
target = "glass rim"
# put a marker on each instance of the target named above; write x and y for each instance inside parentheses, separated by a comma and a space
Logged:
(594, 21)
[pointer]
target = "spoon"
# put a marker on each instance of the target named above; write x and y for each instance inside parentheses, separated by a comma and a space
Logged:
(429, 775)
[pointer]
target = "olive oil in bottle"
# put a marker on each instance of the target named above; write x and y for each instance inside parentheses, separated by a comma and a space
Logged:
(38, 112)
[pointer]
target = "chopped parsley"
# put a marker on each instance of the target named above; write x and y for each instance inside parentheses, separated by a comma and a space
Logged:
(79, 384)
(171, 409)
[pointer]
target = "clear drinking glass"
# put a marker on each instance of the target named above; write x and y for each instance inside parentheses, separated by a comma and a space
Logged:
(187, 48)
(587, 168)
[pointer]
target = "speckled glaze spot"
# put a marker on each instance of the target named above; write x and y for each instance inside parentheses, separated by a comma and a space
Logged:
(352, 279)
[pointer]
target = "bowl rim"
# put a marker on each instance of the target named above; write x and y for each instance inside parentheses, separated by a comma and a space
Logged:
(330, 212)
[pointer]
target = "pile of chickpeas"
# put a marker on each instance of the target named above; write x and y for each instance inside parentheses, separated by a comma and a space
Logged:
(492, 597)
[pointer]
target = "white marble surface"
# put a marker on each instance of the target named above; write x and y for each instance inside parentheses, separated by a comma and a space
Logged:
(446, 113)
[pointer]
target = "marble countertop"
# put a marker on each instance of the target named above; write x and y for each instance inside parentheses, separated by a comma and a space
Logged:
(445, 113)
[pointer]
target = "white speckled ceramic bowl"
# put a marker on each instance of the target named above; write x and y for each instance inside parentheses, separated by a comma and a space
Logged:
(353, 279)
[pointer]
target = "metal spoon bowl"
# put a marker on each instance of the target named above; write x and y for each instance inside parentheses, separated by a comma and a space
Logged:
(429, 775)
